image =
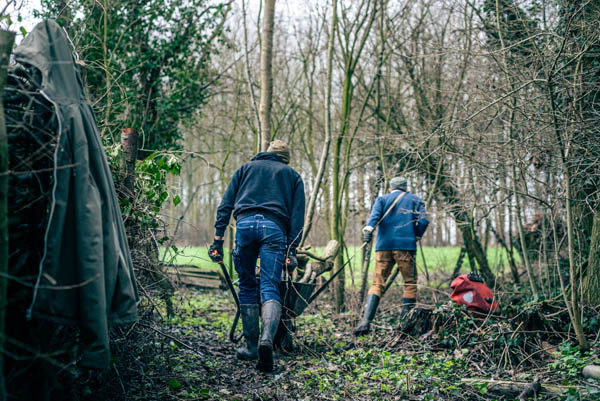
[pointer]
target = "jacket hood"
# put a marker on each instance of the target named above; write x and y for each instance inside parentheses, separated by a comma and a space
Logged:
(268, 156)
(47, 48)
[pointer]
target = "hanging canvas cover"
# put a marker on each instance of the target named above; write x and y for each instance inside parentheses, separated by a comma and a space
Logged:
(85, 276)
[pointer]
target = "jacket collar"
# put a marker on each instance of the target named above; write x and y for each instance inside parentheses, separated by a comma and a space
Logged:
(267, 156)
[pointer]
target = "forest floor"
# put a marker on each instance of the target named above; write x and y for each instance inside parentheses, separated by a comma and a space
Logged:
(189, 356)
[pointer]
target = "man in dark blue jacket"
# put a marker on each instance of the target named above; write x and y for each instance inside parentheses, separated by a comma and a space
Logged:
(402, 222)
(267, 200)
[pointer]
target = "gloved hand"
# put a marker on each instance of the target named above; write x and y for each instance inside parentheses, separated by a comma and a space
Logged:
(291, 262)
(215, 252)
(367, 234)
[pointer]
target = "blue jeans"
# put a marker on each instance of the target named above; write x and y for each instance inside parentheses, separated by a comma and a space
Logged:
(257, 236)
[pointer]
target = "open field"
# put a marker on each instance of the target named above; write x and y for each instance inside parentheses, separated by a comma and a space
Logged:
(439, 260)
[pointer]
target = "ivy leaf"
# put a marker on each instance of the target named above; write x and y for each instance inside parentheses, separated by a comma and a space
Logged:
(174, 384)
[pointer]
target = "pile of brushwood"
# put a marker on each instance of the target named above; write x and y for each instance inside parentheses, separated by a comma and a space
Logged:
(39, 351)
(447, 354)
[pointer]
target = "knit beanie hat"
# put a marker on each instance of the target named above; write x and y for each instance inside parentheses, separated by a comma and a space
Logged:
(281, 149)
(398, 182)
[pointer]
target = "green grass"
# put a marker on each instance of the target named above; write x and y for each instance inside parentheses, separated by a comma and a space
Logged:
(190, 256)
(438, 259)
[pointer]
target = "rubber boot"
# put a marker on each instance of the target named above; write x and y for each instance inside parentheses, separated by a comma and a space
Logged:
(248, 351)
(370, 308)
(407, 305)
(287, 343)
(271, 313)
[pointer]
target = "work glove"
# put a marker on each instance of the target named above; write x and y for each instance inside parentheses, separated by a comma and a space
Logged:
(367, 234)
(215, 252)
(291, 262)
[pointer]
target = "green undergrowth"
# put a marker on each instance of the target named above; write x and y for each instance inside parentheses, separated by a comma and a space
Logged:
(330, 364)
(200, 311)
(375, 374)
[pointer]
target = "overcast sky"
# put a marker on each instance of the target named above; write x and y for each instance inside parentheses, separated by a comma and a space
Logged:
(23, 9)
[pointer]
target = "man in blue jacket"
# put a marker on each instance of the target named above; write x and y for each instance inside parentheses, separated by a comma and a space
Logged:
(402, 222)
(267, 200)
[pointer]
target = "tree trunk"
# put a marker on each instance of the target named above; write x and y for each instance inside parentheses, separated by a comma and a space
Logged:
(6, 44)
(129, 141)
(266, 75)
(591, 284)
(310, 211)
(343, 142)
(249, 78)
(525, 253)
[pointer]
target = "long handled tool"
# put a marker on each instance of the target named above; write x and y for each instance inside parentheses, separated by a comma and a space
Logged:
(232, 336)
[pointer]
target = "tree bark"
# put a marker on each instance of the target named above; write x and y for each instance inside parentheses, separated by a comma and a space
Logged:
(266, 75)
(310, 211)
(129, 141)
(6, 43)
(249, 78)
(591, 284)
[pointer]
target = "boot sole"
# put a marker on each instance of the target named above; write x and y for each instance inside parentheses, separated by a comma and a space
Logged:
(265, 358)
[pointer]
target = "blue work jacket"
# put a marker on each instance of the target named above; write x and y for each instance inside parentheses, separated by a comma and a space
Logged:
(403, 225)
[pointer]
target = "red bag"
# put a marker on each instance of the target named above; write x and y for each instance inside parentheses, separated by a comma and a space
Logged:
(470, 290)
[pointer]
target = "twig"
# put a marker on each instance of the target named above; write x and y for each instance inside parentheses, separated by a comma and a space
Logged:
(151, 300)
(184, 345)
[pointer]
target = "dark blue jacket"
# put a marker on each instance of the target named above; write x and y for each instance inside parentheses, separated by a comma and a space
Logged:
(267, 186)
(403, 225)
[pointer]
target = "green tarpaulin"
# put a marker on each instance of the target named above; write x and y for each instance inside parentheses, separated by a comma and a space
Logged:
(86, 274)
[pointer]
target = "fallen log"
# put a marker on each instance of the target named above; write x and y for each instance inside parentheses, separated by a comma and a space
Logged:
(514, 389)
(322, 263)
(591, 371)
(531, 390)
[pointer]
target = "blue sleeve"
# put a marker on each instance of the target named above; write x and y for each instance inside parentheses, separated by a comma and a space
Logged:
(227, 204)
(297, 217)
(377, 212)
(420, 219)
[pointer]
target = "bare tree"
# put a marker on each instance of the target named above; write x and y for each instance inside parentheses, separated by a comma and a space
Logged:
(266, 74)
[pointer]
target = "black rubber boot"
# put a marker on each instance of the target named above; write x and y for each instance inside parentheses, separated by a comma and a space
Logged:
(271, 313)
(407, 305)
(287, 343)
(370, 309)
(249, 351)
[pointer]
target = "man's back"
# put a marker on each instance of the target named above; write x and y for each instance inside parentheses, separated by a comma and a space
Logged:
(403, 224)
(268, 186)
